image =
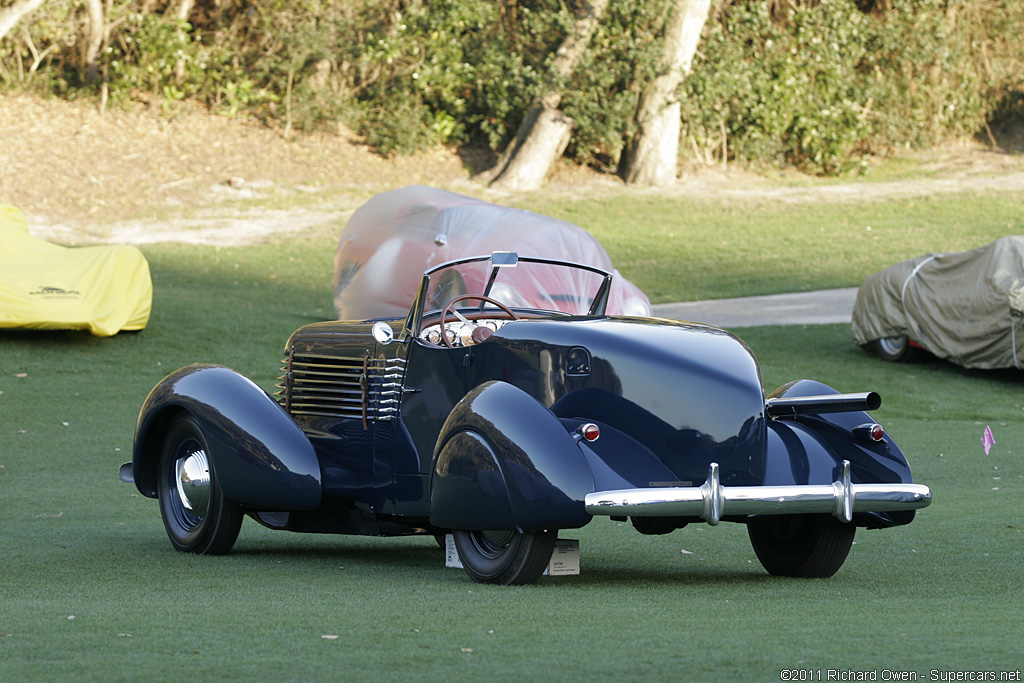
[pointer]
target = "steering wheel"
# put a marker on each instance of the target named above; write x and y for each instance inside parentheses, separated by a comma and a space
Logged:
(449, 309)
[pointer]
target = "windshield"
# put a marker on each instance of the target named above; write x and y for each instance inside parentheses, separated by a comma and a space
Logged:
(537, 284)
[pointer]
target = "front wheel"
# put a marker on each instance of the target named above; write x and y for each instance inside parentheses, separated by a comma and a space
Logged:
(197, 517)
(809, 546)
(507, 558)
(896, 349)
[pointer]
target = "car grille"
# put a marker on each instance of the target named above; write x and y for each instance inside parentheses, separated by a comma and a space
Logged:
(331, 386)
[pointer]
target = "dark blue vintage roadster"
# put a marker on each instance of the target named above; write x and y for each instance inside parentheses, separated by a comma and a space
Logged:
(507, 406)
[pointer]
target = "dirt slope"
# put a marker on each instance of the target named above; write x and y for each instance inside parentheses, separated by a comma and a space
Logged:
(139, 176)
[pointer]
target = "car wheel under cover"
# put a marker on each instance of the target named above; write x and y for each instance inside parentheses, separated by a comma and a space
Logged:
(894, 349)
(811, 546)
(505, 557)
(197, 517)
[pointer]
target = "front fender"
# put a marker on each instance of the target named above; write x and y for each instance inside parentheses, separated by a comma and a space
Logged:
(261, 457)
(505, 461)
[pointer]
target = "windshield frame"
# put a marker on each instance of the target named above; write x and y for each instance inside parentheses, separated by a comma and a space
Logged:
(414, 321)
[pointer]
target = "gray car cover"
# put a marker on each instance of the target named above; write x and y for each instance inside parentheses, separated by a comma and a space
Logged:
(965, 307)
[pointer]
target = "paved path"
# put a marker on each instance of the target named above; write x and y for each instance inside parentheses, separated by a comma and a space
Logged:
(803, 308)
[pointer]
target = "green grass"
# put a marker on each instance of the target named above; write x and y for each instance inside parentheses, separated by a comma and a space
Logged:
(682, 250)
(942, 593)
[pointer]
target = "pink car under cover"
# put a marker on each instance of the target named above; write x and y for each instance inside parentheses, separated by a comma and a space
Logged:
(395, 236)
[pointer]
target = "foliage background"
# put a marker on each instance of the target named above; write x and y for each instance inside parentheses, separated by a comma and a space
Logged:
(814, 84)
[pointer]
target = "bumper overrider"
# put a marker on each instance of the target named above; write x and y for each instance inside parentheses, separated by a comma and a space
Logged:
(712, 501)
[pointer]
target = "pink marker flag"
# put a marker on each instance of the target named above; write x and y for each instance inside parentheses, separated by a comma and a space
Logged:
(987, 439)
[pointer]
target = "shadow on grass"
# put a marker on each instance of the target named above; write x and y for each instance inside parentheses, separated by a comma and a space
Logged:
(71, 339)
(428, 558)
(663, 576)
(399, 558)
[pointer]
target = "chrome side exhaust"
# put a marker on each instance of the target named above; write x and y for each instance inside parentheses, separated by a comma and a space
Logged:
(776, 408)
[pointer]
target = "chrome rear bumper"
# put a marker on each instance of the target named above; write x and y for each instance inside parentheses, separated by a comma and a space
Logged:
(711, 501)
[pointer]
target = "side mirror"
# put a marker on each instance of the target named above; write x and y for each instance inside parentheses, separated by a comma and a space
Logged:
(504, 259)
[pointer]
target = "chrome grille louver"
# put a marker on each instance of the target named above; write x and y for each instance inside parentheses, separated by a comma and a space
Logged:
(344, 387)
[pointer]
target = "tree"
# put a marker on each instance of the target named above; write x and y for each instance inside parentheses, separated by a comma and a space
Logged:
(94, 42)
(9, 16)
(652, 155)
(181, 14)
(544, 133)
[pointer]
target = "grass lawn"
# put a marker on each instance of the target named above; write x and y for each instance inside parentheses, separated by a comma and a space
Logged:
(92, 589)
(685, 250)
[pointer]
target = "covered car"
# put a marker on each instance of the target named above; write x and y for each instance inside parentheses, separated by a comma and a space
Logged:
(966, 307)
(500, 426)
(44, 286)
(393, 237)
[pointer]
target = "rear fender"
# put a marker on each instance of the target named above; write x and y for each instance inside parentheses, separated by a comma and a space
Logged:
(810, 448)
(505, 461)
(261, 457)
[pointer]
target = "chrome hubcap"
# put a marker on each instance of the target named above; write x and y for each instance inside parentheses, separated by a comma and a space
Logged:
(192, 477)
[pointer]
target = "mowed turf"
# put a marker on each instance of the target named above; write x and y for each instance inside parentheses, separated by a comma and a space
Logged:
(92, 590)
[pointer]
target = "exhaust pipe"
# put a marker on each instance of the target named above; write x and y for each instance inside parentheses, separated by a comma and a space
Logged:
(776, 408)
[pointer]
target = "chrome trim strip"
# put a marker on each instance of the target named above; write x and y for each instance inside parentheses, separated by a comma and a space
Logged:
(333, 386)
(711, 501)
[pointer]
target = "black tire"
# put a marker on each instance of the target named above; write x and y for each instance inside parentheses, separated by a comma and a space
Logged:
(809, 546)
(507, 558)
(895, 349)
(197, 517)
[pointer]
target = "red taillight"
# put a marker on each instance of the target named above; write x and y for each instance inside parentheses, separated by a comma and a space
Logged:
(589, 431)
(869, 432)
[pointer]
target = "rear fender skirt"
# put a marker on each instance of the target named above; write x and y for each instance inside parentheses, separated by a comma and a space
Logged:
(809, 449)
(833, 442)
(503, 460)
(261, 457)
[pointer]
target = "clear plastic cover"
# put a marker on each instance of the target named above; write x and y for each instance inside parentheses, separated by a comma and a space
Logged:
(396, 236)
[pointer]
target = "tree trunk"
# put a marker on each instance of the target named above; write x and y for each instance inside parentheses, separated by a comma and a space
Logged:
(9, 16)
(94, 43)
(182, 13)
(652, 155)
(544, 133)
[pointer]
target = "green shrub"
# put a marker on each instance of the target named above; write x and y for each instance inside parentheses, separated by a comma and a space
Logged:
(603, 94)
(807, 83)
(830, 82)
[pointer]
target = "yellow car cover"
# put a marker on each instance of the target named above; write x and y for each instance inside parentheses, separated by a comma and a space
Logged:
(45, 286)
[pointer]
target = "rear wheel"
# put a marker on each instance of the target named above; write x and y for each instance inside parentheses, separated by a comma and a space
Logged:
(197, 517)
(508, 558)
(810, 546)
